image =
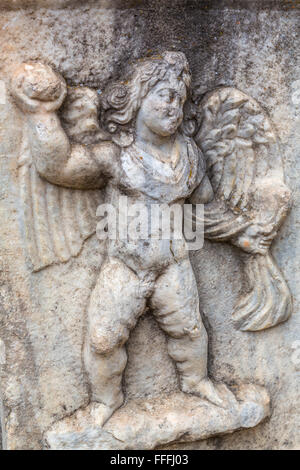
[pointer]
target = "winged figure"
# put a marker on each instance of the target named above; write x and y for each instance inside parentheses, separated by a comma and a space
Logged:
(69, 163)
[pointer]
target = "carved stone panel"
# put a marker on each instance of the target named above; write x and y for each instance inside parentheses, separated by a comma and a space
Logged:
(149, 209)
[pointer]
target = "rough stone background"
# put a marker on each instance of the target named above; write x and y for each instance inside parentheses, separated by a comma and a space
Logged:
(252, 45)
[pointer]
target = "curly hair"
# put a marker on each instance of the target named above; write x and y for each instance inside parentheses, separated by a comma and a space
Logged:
(121, 101)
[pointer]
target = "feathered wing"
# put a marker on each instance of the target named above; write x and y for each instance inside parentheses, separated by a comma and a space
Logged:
(56, 221)
(239, 144)
(251, 200)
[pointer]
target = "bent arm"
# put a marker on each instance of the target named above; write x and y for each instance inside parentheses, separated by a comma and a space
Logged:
(65, 164)
(39, 92)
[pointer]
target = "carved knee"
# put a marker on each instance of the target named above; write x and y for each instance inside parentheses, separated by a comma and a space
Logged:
(105, 342)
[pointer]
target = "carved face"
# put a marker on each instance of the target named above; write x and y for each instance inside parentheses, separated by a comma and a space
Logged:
(79, 116)
(162, 109)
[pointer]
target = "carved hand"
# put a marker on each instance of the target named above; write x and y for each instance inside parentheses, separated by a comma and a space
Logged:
(37, 88)
(255, 239)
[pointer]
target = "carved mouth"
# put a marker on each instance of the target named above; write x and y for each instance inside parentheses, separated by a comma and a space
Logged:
(173, 122)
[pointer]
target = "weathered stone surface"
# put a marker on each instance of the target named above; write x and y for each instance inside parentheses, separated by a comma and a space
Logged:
(244, 45)
(147, 423)
(17, 4)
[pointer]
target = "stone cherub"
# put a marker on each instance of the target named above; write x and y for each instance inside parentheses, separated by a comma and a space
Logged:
(147, 153)
(172, 169)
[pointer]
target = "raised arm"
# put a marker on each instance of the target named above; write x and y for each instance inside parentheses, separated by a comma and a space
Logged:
(39, 92)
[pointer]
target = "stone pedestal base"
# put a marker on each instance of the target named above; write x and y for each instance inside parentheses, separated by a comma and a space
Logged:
(148, 423)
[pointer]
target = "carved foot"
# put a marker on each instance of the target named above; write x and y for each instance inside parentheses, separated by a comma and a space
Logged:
(204, 389)
(101, 413)
(146, 423)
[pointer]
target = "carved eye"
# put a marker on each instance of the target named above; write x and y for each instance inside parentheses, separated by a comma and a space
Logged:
(165, 95)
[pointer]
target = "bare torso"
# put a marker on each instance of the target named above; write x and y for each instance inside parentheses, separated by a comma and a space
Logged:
(144, 179)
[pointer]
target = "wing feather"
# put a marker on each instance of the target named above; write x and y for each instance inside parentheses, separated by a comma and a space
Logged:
(40, 219)
(245, 169)
(238, 187)
(237, 141)
(92, 201)
(81, 214)
(227, 184)
(95, 198)
(56, 220)
(71, 228)
(249, 171)
(27, 211)
(55, 223)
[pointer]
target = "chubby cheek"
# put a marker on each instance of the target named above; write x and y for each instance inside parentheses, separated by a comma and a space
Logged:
(156, 107)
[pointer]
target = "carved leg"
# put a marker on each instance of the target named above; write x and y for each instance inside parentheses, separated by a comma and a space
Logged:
(175, 305)
(115, 306)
